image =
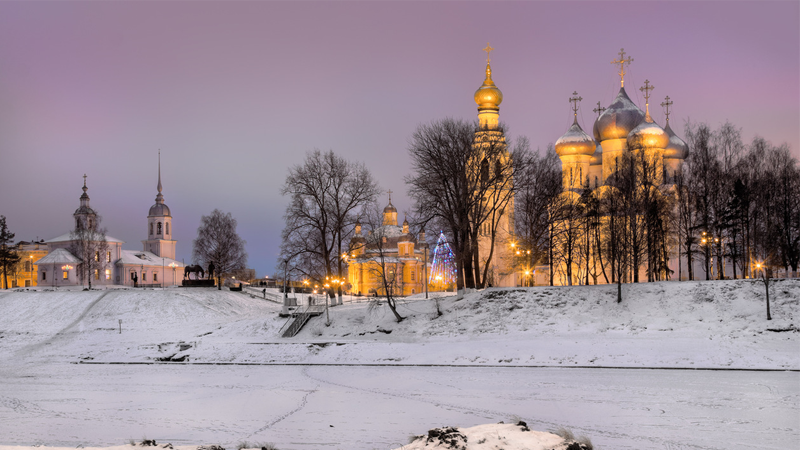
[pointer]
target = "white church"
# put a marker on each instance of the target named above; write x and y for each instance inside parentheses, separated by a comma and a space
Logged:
(153, 266)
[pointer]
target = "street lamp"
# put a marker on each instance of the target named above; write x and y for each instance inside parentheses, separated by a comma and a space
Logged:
(173, 265)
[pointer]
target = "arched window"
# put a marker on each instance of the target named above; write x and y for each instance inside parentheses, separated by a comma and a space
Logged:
(167, 226)
(485, 170)
(498, 170)
(91, 225)
(77, 223)
(158, 228)
(151, 228)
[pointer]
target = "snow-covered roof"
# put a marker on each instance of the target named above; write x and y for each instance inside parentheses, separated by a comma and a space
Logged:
(58, 256)
(138, 258)
(66, 237)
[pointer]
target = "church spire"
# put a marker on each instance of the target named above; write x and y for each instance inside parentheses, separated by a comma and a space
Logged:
(488, 97)
(159, 197)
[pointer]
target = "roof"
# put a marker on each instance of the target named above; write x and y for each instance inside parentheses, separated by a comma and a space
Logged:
(66, 237)
(139, 258)
(58, 256)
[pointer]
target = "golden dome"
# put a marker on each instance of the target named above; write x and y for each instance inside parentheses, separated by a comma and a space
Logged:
(575, 142)
(677, 148)
(488, 96)
(619, 119)
(648, 135)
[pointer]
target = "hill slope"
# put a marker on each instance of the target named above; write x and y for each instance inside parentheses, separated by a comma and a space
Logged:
(718, 324)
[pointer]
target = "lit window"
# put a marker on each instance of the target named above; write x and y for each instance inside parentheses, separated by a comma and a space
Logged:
(66, 275)
(97, 256)
(96, 274)
(108, 256)
(108, 274)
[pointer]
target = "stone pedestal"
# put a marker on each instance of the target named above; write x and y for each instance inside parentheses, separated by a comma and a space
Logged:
(198, 283)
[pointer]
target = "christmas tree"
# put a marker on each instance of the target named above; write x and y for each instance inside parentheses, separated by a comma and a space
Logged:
(443, 270)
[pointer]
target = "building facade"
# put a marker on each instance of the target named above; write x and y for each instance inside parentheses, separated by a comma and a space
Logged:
(154, 265)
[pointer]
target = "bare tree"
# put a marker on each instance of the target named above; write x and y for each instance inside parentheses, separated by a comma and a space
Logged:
(90, 246)
(327, 196)
(8, 256)
(463, 182)
(217, 242)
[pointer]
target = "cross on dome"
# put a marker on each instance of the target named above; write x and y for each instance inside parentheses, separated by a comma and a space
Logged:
(666, 104)
(599, 110)
(488, 50)
(575, 100)
(84, 180)
(622, 61)
(390, 196)
(646, 90)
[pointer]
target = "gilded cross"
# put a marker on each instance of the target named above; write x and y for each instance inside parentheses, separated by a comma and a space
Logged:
(666, 104)
(390, 195)
(599, 110)
(622, 61)
(488, 50)
(646, 90)
(575, 100)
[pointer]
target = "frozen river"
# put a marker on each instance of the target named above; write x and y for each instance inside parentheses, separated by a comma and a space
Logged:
(352, 408)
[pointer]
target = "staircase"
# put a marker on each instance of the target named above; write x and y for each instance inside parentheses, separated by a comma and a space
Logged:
(300, 319)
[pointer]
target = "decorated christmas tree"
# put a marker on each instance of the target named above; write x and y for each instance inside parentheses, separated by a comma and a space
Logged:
(443, 270)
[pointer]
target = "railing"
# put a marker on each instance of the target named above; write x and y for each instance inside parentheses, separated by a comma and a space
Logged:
(299, 319)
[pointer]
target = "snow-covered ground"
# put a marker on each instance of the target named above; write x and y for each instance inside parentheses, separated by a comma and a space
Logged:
(63, 384)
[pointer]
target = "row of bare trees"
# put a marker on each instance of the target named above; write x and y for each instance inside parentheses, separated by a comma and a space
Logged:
(738, 203)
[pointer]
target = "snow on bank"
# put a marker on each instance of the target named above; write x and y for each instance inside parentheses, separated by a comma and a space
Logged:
(491, 437)
(716, 324)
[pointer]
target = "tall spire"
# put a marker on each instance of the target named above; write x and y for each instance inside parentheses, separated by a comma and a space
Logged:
(575, 100)
(646, 90)
(84, 196)
(159, 171)
(622, 61)
(159, 197)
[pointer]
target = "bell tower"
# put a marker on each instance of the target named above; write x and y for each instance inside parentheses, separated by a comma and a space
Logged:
(159, 225)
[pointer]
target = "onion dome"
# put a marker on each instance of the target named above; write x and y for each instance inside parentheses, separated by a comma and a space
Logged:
(390, 208)
(488, 96)
(575, 142)
(676, 148)
(597, 157)
(648, 135)
(621, 117)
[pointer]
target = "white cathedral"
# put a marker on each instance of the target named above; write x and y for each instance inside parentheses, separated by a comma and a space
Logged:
(154, 265)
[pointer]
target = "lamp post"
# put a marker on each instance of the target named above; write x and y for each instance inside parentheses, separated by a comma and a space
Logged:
(173, 265)
(31, 271)
(285, 267)
(425, 268)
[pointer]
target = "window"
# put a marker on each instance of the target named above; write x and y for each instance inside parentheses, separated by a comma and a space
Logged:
(155, 276)
(167, 225)
(66, 275)
(90, 223)
(13, 283)
(413, 275)
(27, 266)
(151, 228)
(78, 223)
(144, 276)
(108, 256)
(132, 275)
(44, 276)
(108, 274)
(498, 170)
(158, 228)
(27, 283)
(485, 170)
(96, 274)
(97, 256)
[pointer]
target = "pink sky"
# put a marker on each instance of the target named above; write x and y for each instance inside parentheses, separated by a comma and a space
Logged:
(233, 93)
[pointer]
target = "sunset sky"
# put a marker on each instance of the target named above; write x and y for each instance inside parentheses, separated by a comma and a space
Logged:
(234, 93)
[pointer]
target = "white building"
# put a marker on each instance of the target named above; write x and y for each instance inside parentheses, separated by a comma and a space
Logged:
(154, 265)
